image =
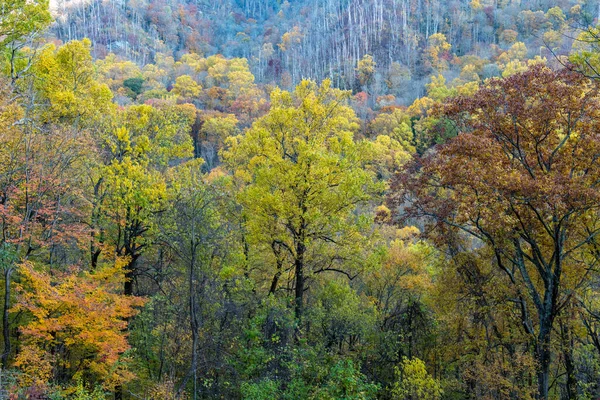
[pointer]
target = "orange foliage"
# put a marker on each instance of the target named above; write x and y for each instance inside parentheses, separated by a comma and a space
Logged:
(76, 325)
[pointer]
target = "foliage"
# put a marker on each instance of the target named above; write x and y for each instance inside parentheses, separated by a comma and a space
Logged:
(21, 18)
(65, 79)
(135, 85)
(414, 382)
(184, 215)
(302, 175)
(75, 327)
(521, 145)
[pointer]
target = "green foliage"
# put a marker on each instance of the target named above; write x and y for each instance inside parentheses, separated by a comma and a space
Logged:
(342, 318)
(344, 381)
(437, 89)
(135, 85)
(302, 176)
(21, 18)
(263, 390)
(586, 52)
(81, 393)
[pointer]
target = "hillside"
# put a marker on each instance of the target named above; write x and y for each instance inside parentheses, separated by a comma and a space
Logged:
(286, 41)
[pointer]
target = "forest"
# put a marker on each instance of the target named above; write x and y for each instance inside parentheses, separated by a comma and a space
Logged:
(307, 199)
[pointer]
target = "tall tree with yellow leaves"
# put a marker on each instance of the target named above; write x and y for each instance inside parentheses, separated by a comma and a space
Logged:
(303, 174)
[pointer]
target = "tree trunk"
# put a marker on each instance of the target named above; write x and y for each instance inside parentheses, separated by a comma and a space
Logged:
(543, 356)
(567, 343)
(5, 323)
(95, 251)
(194, 326)
(128, 285)
(129, 275)
(275, 281)
(299, 271)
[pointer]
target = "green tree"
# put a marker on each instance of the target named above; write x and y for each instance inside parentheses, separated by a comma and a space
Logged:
(304, 176)
(135, 85)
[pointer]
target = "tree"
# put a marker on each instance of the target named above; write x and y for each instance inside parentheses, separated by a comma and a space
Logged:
(303, 174)
(522, 179)
(194, 231)
(75, 327)
(129, 181)
(414, 382)
(586, 52)
(186, 87)
(365, 70)
(135, 85)
(437, 51)
(20, 18)
(215, 129)
(38, 195)
(22, 22)
(65, 79)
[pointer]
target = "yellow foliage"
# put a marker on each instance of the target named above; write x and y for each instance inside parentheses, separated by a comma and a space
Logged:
(289, 39)
(186, 87)
(67, 80)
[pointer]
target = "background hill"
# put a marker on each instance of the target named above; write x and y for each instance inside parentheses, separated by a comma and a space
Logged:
(285, 41)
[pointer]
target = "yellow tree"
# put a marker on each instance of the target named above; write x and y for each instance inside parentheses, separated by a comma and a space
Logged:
(437, 52)
(304, 176)
(186, 87)
(365, 70)
(66, 80)
(129, 183)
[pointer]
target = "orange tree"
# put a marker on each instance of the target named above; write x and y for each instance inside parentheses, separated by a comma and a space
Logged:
(522, 178)
(75, 325)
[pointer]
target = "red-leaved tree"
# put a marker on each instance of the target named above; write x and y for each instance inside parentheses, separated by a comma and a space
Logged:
(521, 177)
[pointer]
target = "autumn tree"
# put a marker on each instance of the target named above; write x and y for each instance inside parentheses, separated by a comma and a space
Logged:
(365, 70)
(39, 199)
(65, 79)
(437, 51)
(214, 129)
(75, 327)
(522, 179)
(186, 87)
(129, 181)
(303, 174)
